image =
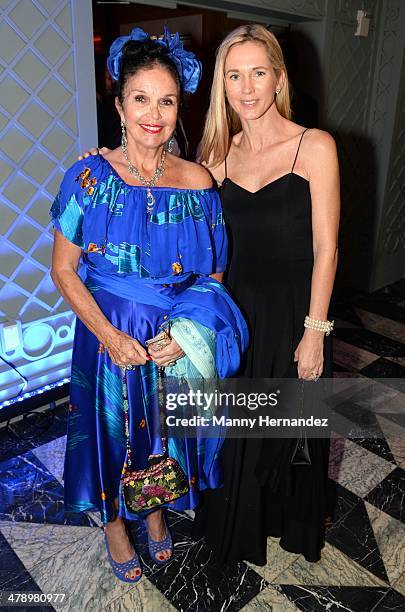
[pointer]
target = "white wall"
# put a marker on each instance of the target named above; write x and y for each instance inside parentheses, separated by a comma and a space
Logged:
(46, 60)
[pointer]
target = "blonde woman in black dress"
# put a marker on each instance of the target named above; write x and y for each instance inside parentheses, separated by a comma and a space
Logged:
(280, 197)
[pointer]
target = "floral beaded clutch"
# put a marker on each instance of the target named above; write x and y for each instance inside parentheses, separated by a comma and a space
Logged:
(161, 482)
(155, 485)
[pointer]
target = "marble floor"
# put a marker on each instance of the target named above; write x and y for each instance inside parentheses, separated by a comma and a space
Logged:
(363, 562)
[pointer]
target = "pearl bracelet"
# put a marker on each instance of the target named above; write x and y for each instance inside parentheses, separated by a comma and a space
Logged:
(316, 325)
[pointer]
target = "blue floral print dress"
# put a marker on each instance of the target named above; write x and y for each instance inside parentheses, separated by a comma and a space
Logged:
(136, 265)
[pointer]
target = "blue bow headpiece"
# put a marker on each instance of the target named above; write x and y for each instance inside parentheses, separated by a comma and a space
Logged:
(188, 67)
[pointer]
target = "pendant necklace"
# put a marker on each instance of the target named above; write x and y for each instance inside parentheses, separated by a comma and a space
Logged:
(150, 200)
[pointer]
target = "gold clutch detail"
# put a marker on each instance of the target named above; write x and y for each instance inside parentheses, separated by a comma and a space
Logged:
(159, 341)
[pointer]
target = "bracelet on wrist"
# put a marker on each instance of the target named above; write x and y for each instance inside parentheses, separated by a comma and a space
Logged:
(317, 325)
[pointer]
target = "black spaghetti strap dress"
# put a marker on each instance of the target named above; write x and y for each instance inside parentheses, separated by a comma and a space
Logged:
(270, 277)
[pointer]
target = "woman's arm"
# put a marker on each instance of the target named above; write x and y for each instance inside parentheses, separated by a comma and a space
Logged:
(323, 170)
(216, 175)
(325, 197)
(122, 349)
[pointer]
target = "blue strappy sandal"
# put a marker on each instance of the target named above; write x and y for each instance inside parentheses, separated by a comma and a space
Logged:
(156, 546)
(120, 569)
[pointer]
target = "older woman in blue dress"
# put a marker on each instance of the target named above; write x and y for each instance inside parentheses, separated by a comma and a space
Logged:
(149, 228)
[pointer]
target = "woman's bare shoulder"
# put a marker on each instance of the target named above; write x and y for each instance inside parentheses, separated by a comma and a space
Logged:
(320, 140)
(217, 171)
(111, 155)
(320, 155)
(194, 176)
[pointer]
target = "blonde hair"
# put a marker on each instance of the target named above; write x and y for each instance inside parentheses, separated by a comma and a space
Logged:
(222, 122)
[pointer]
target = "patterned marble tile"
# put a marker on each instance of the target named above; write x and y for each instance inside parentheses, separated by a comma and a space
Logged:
(373, 395)
(398, 585)
(14, 577)
(52, 455)
(341, 501)
(347, 387)
(278, 561)
(388, 396)
(354, 536)
(11, 566)
(180, 527)
(353, 421)
(334, 569)
(390, 537)
(30, 493)
(371, 342)
(340, 372)
(399, 360)
(351, 357)
(390, 602)
(395, 437)
(389, 495)
(270, 600)
(33, 542)
(378, 446)
(378, 304)
(356, 468)
(382, 325)
(334, 599)
(194, 581)
(366, 430)
(94, 518)
(363, 548)
(397, 420)
(143, 596)
(12, 446)
(42, 427)
(384, 368)
(22, 477)
(81, 570)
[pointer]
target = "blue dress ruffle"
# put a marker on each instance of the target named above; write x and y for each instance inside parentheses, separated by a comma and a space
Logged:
(185, 232)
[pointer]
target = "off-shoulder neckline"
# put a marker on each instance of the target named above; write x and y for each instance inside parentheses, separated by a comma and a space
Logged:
(157, 187)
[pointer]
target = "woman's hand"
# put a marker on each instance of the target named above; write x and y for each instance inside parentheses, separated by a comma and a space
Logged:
(94, 151)
(124, 350)
(309, 355)
(165, 356)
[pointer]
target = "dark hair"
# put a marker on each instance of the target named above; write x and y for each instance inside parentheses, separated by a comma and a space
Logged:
(142, 55)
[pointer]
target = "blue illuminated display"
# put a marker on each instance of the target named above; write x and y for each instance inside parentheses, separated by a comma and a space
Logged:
(43, 358)
(30, 394)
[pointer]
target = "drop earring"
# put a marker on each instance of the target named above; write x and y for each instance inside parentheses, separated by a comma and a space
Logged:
(277, 91)
(169, 145)
(124, 140)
